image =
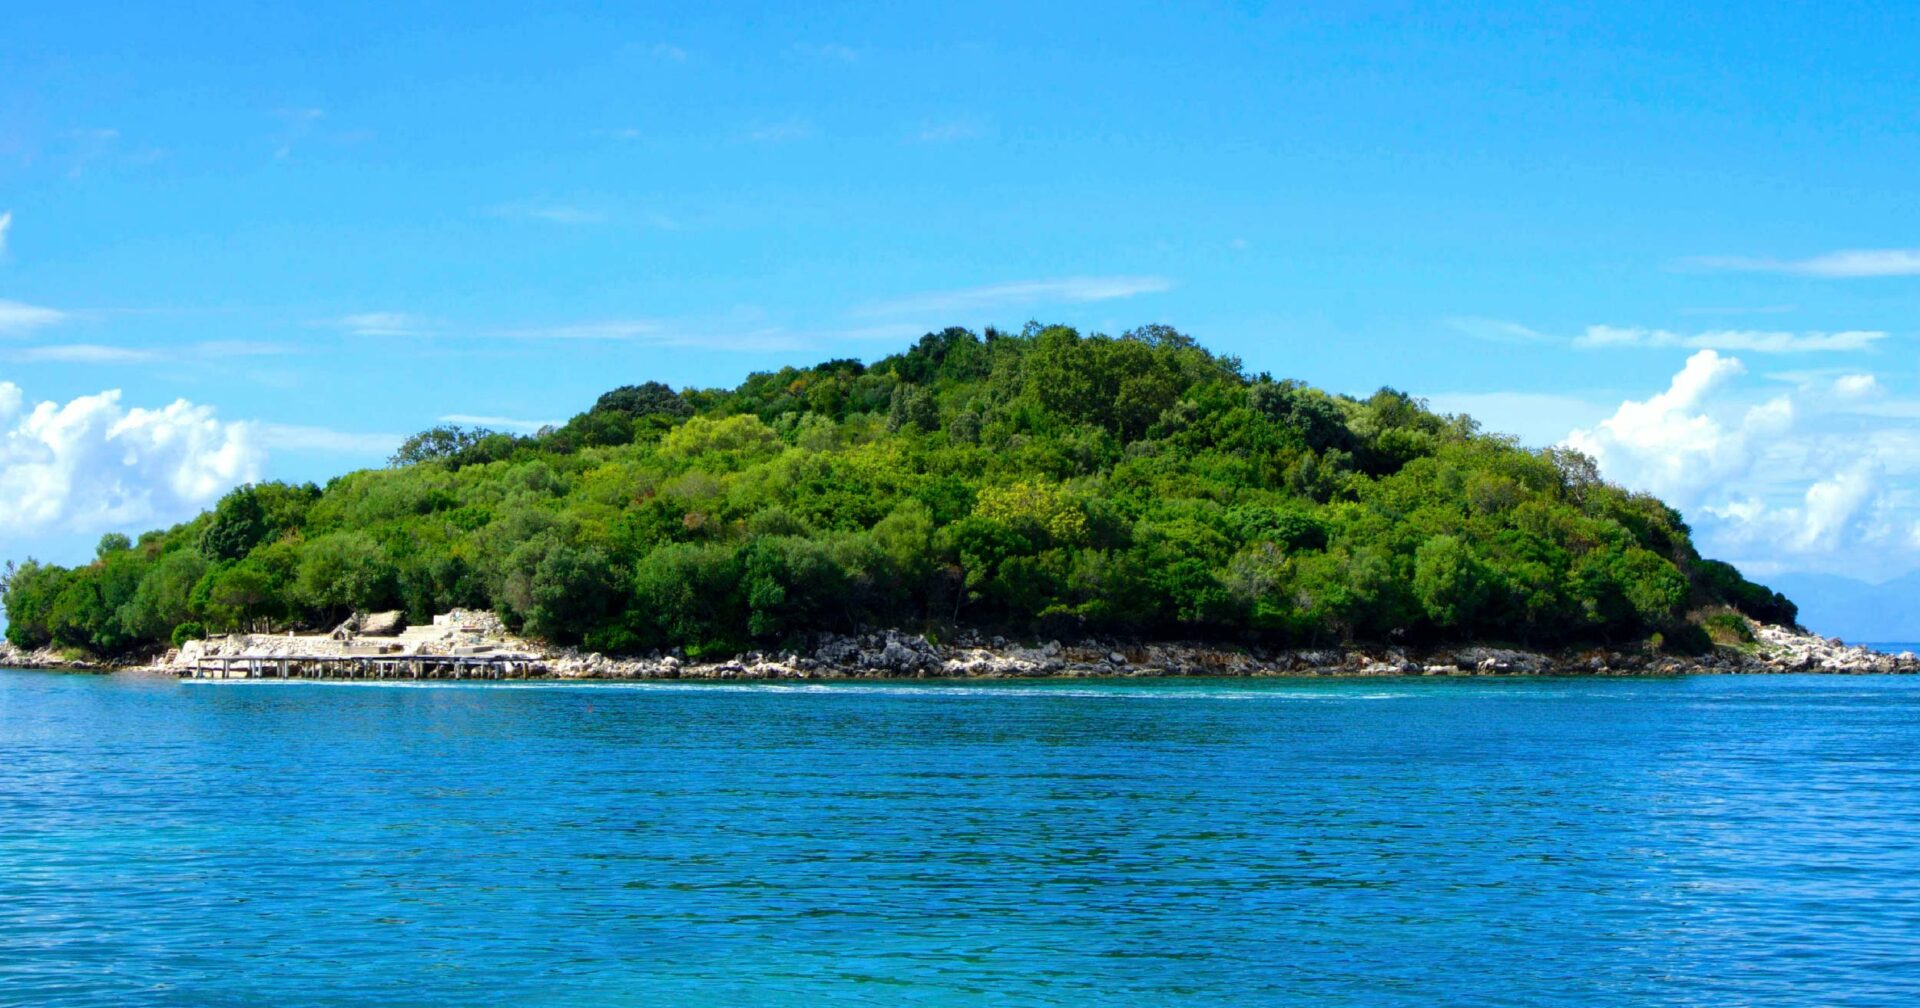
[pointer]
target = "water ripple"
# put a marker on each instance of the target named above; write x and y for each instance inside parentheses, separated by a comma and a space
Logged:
(1715, 841)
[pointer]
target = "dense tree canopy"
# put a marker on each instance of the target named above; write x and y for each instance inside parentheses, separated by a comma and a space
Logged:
(1046, 482)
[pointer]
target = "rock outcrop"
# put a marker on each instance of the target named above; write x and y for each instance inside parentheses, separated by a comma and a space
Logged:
(45, 658)
(894, 654)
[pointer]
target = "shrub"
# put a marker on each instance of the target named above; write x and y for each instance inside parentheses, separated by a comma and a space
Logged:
(1727, 627)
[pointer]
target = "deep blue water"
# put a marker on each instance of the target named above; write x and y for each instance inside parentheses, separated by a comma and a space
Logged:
(1712, 841)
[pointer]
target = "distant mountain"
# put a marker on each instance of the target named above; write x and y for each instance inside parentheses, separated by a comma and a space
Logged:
(1855, 610)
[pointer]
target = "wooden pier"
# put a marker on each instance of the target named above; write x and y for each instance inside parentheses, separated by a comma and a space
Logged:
(372, 667)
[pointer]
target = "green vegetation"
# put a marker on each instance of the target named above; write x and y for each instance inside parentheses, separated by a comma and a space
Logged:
(1728, 628)
(1046, 482)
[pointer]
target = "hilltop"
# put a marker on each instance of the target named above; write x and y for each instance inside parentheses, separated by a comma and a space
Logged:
(1039, 484)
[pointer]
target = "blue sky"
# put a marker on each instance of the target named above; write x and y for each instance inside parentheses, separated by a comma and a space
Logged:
(1685, 240)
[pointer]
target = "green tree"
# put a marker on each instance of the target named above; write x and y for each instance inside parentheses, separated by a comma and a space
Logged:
(646, 399)
(912, 408)
(689, 595)
(1449, 581)
(340, 573)
(237, 596)
(238, 524)
(438, 444)
(573, 591)
(30, 594)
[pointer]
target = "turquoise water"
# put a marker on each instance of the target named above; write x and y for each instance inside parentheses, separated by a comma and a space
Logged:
(1712, 841)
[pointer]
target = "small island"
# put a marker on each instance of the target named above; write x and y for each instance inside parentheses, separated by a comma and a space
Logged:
(960, 508)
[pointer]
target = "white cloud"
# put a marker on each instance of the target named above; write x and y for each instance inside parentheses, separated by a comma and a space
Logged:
(1846, 511)
(1790, 482)
(1848, 263)
(1068, 290)
(1749, 340)
(6, 225)
(17, 317)
(1671, 445)
(83, 353)
(383, 324)
(1497, 330)
(498, 422)
(550, 213)
(1856, 386)
(665, 51)
(609, 329)
(93, 464)
(95, 353)
(1765, 341)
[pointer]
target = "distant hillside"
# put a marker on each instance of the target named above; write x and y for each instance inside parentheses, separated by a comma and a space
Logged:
(1045, 482)
(1856, 610)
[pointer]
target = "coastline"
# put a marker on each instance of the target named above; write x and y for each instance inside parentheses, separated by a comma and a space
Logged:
(893, 654)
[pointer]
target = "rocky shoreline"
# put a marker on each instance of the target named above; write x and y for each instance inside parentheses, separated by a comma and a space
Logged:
(896, 655)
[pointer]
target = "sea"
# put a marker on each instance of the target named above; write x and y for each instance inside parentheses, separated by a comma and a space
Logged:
(1710, 841)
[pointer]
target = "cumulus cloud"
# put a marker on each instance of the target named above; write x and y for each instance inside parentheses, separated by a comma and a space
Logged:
(1856, 386)
(1670, 444)
(1786, 482)
(93, 463)
(1848, 263)
(1749, 340)
(6, 225)
(1850, 510)
(1067, 290)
